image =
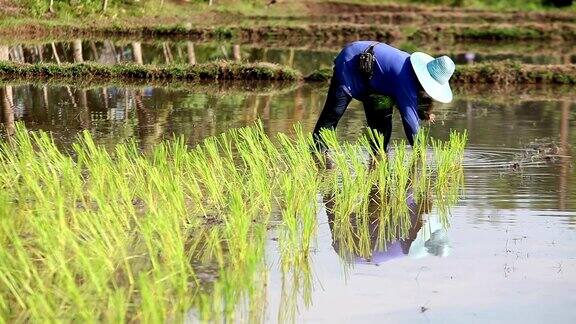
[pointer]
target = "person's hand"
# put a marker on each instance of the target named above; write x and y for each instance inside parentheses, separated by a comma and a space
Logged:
(431, 118)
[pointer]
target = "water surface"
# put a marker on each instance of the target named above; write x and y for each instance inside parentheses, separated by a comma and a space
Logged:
(508, 255)
(304, 57)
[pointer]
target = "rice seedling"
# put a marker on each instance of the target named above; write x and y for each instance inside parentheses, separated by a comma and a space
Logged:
(156, 236)
(449, 171)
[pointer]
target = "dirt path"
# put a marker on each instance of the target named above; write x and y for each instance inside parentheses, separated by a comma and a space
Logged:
(392, 13)
(323, 33)
(9, 8)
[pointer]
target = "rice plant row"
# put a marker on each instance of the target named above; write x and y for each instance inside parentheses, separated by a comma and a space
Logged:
(179, 232)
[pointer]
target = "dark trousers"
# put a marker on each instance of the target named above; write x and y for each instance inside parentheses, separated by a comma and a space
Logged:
(336, 103)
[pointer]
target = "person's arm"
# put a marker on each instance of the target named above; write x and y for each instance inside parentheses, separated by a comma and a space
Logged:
(410, 119)
(425, 105)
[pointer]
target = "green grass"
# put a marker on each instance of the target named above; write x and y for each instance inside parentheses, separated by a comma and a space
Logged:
(495, 73)
(239, 87)
(503, 73)
(204, 71)
(123, 235)
(512, 72)
(143, 8)
(309, 30)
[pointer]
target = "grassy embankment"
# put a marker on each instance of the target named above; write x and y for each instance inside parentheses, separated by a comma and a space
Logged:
(497, 73)
(494, 73)
(325, 33)
(67, 9)
(122, 236)
(218, 70)
(323, 19)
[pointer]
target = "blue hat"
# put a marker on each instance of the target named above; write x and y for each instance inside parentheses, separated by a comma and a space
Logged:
(433, 74)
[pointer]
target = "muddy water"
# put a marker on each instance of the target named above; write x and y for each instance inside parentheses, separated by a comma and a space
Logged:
(306, 57)
(508, 255)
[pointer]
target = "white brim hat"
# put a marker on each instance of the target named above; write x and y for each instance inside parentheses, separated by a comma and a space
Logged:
(434, 74)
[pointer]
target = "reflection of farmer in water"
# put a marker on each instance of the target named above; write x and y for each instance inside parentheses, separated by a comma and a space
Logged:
(424, 236)
(366, 71)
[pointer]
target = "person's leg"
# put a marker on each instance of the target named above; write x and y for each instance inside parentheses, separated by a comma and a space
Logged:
(336, 103)
(379, 119)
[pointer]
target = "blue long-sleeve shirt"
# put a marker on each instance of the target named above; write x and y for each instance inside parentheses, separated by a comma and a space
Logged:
(393, 76)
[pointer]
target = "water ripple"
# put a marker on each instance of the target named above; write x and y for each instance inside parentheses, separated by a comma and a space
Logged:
(497, 158)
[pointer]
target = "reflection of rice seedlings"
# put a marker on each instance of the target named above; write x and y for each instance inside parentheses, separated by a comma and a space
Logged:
(124, 236)
(239, 284)
(296, 288)
(397, 188)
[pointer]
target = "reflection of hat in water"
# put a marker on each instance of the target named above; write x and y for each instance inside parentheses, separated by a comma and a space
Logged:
(434, 74)
(431, 239)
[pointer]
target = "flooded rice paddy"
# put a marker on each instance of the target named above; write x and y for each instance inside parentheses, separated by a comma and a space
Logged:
(303, 57)
(509, 252)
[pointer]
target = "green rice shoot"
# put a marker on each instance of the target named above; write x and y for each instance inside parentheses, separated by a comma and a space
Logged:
(121, 235)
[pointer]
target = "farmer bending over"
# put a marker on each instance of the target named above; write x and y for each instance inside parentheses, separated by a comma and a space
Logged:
(364, 69)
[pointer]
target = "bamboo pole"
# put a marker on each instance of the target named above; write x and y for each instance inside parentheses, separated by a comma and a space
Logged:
(137, 52)
(55, 53)
(126, 103)
(7, 109)
(45, 96)
(291, 58)
(40, 51)
(77, 51)
(298, 106)
(143, 120)
(237, 54)
(105, 98)
(167, 54)
(20, 50)
(94, 51)
(191, 53)
(112, 49)
(4, 53)
(84, 110)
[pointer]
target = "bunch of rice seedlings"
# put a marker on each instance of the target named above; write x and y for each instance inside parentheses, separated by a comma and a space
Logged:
(387, 187)
(121, 235)
(299, 182)
(449, 175)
